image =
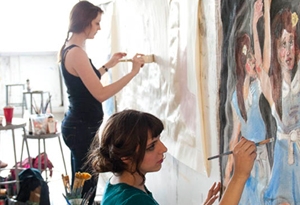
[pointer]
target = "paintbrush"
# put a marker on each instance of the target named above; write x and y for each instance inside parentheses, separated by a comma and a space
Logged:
(230, 152)
(67, 200)
(47, 103)
(147, 59)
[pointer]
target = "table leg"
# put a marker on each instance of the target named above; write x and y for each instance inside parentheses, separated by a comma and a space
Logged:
(21, 158)
(15, 155)
(45, 159)
(31, 103)
(39, 151)
(50, 105)
(62, 154)
(6, 95)
(26, 143)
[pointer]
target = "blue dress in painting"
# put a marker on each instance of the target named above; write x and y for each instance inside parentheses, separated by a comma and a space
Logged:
(254, 129)
(284, 185)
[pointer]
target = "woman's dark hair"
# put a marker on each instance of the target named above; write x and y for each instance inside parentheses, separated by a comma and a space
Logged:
(124, 137)
(81, 16)
(282, 21)
(242, 48)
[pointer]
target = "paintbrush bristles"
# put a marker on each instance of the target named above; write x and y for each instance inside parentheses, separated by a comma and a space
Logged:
(148, 58)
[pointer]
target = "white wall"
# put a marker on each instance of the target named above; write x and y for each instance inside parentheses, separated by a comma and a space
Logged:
(39, 67)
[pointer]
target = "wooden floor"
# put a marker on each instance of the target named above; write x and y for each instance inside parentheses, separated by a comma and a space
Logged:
(55, 183)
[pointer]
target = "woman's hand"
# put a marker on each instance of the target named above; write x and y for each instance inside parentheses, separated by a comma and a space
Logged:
(137, 62)
(115, 59)
(212, 194)
(258, 11)
(244, 154)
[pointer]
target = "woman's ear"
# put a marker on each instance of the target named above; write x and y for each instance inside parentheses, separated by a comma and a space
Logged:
(129, 164)
(126, 160)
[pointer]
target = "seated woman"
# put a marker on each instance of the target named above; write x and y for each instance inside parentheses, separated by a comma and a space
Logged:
(130, 147)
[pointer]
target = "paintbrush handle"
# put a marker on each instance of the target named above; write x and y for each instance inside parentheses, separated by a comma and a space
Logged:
(220, 155)
(67, 200)
(230, 152)
(125, 60)
(266, 141)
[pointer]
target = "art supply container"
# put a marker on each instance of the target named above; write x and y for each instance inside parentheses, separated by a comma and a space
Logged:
(75, 201)
(40, 123)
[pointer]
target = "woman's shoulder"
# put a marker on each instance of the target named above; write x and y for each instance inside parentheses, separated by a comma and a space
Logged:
(139, 198)
(125, 194)
(68, 47)
(76, 53)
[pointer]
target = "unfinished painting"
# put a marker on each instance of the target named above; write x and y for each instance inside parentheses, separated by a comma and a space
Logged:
(169, 87)
(260, 96)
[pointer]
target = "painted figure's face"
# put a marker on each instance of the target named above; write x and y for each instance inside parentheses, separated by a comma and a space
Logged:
(154, 155)
(250, 64)
(92, 30)
(286, 50)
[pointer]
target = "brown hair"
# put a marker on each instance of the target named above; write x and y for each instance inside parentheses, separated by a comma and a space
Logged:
(81, 16)
(240, 60)
(124, 136)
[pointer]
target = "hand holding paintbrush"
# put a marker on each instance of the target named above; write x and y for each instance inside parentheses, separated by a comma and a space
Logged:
(230, 152)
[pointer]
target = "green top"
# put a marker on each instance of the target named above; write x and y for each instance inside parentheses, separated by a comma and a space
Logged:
(124, 194)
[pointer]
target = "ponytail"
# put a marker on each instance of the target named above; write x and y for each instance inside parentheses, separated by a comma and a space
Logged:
(59, 57)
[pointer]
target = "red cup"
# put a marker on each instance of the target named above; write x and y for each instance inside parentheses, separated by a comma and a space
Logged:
(8, 114)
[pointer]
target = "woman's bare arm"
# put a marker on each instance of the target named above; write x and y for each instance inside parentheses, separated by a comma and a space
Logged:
(244, 155)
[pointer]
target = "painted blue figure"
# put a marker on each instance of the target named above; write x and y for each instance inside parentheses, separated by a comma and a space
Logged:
(248, 121)
(284, 98)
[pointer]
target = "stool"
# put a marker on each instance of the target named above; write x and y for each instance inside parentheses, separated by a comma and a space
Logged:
(44, 137)
(22, 102)
(17, 123)
(37, 92)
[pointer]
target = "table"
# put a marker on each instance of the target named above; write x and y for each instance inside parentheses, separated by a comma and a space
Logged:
(17, 123)
(44, 137)
(37, 92)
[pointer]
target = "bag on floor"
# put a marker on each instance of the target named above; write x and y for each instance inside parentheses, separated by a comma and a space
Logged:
(33, 188)
(35, 164)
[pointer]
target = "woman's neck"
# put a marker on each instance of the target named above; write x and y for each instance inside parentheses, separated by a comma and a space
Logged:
(134, 180)
(77, 39)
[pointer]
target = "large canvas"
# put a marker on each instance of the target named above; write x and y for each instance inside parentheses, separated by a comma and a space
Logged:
(174, 87)
(260, 95)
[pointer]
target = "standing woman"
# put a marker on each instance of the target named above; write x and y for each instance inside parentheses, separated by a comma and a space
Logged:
(85, 91)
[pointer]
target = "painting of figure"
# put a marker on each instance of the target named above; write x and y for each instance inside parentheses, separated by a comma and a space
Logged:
(260, 96)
